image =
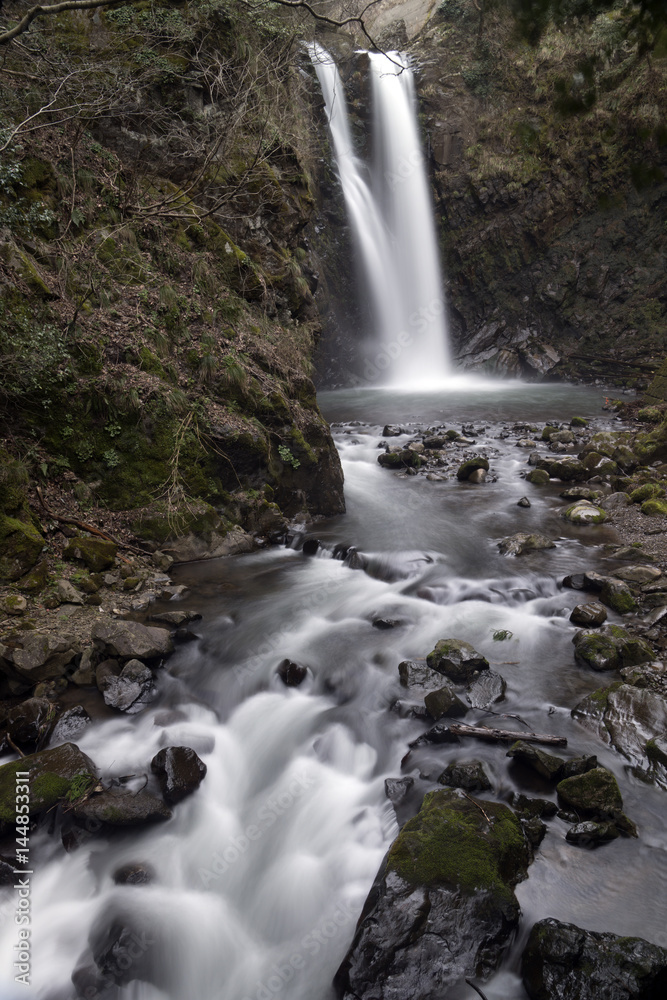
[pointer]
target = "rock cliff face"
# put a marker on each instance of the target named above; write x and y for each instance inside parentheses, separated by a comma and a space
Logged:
(548, 164)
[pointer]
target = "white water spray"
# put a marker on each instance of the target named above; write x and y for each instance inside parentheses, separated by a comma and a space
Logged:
(392, 221)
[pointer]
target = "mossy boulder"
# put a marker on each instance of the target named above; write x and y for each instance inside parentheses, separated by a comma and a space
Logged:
(122, 808)
(52, 775)
(569, 470)
(523, 541)
(617, 595)
(20, 547)
(538, 477)
(595, 794)
(446, 888)
(583, 512)
(655, 508)
(610, 648)
(98, 554)
(647, 491)
(579, 422)
(467, 468)
(37, 579)
(650, 415)
(457, 659)
(450, 843)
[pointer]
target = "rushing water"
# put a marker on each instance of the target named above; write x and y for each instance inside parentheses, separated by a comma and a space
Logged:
(262, 873)
(391, 216)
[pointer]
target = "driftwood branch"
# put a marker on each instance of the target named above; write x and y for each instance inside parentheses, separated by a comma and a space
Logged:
(476, 989)
(505, 735)
(87, 527)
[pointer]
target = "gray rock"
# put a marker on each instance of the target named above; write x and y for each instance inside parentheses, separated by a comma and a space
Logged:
(583, 512)
(595, 795)
(51, 776)
(638, 574)
(70, 725)
(489, 688)
(523, 502)
(615, 501)
(131, 689)
(397, 789)
(67, 593)
(546, 764)
(121, 807)
(610, 648)
(591, 834)
(130, 640)
(418, 676)
(564, 962)
(29, 723)
(37, 656)
(444, 702)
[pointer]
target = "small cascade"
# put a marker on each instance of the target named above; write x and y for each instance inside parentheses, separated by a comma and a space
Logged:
(391, 217)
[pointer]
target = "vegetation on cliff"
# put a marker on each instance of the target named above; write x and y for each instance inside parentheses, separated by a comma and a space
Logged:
(156, 300)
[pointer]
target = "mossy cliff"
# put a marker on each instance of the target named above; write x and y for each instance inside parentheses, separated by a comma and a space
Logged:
(157, 314)
(549, 158)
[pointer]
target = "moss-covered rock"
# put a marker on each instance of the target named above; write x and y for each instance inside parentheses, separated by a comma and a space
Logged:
(51, 776)
(450, 843)
(538, 477)
(646, 491)
(457, 659)
(523, 541)
(610, 648)
(469, 775)
(98, 554)
(20, 547)
(655, 508)
(467, 468)
(595, 794)
(583, 512)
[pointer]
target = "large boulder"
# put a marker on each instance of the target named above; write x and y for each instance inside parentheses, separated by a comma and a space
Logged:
(564, 962)
(457, 659)
(569, 470)
(53, 774)
(472, 465)
(130, 640)
(418, 676)
(36, 656)
(131, 690)
(610, 648)
(28, 723)
(443, 906)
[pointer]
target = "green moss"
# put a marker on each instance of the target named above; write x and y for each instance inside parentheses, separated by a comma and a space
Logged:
(650, 415)
(578, 422)
(538, 477)
(450, 843)
(646, 492)
(20, 547)
(162, 523)
(655, 508)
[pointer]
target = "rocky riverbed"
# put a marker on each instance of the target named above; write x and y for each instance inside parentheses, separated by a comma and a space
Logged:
(443, 907)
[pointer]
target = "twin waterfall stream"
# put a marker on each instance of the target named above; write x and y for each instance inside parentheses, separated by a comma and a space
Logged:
(261, 875)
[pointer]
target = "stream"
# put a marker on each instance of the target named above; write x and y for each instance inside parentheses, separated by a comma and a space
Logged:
(261, 874)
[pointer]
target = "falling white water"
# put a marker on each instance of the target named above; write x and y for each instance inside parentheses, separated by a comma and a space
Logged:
(392, 219)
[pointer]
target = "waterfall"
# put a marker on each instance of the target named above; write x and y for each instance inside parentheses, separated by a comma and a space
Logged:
(390, 213)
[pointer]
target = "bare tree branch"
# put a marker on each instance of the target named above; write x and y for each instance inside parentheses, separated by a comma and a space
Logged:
(55, 8)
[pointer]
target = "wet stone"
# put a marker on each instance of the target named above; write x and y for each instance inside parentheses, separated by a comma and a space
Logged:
(179, 771)
(444, 702)
(591, 834)
(468, 775)
(574, 581)
(589, 615)
(523, 502)
(547, 765)
(70, 726)
(292, 674)
(457, 659)
(564, 962)
(413, 674)
(529, 807)
(488, 689)
(134, 874)
(397, 789)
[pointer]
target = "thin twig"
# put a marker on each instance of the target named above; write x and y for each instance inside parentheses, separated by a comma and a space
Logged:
(486, 817)
(14, 746)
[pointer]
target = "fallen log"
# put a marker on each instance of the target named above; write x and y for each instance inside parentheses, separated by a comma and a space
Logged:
(505, 735)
